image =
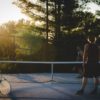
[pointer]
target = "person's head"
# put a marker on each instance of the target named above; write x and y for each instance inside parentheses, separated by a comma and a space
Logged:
(91, 39)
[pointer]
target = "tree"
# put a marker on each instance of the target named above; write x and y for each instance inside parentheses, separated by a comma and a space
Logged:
(60, 18)
(54, 10)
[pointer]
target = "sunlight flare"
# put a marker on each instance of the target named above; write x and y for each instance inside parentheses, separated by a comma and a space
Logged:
(9, 11)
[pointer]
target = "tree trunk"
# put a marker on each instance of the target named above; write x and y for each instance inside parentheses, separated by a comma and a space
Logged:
(57, 20)
(47, 20)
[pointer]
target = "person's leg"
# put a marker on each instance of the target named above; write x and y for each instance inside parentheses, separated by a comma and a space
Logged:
(96, 83)
(84, 83)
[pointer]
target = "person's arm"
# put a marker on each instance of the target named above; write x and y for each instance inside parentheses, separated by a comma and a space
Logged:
(85, 57)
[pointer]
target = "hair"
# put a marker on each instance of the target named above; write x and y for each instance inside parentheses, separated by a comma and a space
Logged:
(91, 38)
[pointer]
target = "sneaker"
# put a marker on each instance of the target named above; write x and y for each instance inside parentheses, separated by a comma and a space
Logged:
(80, 92)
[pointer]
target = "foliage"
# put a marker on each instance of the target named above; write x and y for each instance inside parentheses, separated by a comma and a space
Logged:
(55, 29)
(64, 20)
(21, 40)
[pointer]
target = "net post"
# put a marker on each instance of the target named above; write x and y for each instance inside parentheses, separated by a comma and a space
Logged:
(51, 71)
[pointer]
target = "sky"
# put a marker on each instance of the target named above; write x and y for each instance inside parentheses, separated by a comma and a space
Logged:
(9, 11)
(92, 7)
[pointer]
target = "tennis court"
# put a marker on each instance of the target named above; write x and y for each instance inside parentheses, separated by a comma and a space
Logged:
(39, 86)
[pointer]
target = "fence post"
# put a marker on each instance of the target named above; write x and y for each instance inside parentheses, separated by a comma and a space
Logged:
(51, 71)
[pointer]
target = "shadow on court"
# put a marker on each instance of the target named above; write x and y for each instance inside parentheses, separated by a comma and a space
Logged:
(38, 87)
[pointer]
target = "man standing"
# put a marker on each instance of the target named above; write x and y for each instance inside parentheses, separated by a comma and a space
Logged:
(90, 64)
